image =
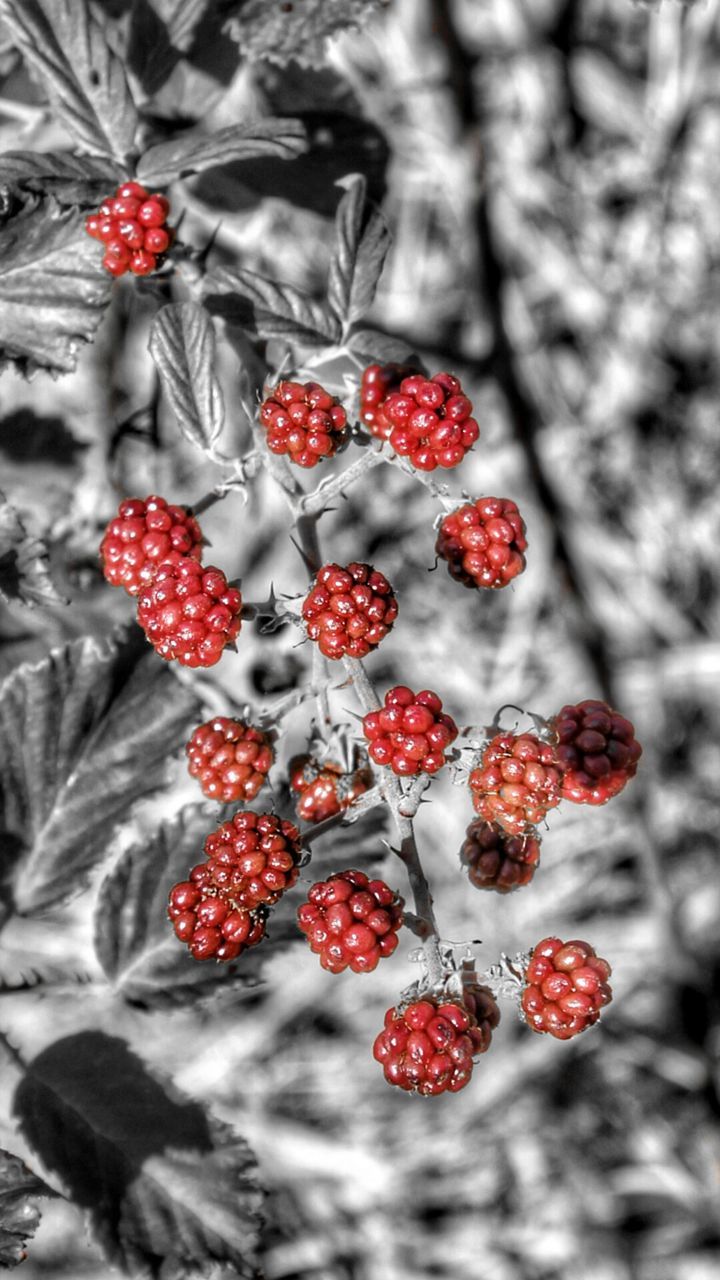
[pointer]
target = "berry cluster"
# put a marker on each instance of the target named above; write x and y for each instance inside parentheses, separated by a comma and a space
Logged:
(132, 226)
(566, 987)
(304, 421)
(517, 782)
(430, 421)
(351, 921)
(189, 613)
(496, 860)
(325, 789)
(428, 1047)
(410, 733)
(253, 859)
(483, 542)
(597, 752)
(349, 611)
(230, 760)
(144, 534)
(208, 921)
(377, 383)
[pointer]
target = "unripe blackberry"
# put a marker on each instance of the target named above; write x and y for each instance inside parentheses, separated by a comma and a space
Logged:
(566, 987)
(597, 752)
(496, 860)
(189, 613)
(483, 542)
(349, 610)
(431, 422)
(211, 926)
(131, 225)
(517, 782)
(481, 1003)
(351, 921)
(230, 760)
(378, 382)
(252, 859)
(304, 421)
(428, 1047)
(145, 533)
(410, 733)
(325, 789)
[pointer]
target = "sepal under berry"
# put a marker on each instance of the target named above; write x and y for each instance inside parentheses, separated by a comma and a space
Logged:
(597, 751)
(145, 533)
(483, 542)
(517, 782)
(410, 733)
(349, 610)
(566, 986)
(497, 860)
(351, 921)
(230, 759)
(189, 613)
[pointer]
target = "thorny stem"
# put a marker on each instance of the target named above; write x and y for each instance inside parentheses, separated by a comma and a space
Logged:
(245, 469)
(316, 502)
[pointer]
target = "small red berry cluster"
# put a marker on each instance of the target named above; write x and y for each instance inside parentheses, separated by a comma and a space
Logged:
(144, 534)
(304, 421)
(597, 751)
(496, 860)
(132, 226)
(566, 987)
(349, 610)
(410, 733)
(483, 542)
(517, 782)
(377, 383)
(428, 1045)
(324, 789)
(230, 759)
(351, 921)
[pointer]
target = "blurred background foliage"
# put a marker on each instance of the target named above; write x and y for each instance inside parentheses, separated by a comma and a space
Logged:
(550, 174)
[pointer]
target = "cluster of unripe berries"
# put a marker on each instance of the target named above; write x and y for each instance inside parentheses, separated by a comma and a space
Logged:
(132, 225)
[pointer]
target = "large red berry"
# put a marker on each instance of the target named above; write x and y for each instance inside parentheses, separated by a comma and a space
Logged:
(143, 534)
(230, 759)
(351, 921)
(325, 789)
(431, 422)
(252, 859)
(189, 613)
(496, 860)
(566, 987)
(597, 751)
(428, 1047)
(517, 782)
(483, 542)
(304, 421)
(211, 925)
(132, 225)
(410, 733)
(350, 610)
(378, 382)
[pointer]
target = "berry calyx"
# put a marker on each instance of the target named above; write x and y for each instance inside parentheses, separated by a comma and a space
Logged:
(517, 782)
(189, 613)
(303, 421)
(496, 860)
(132, 225)
(483, 542)
(252, 859)
(230, 760)
(410, 733)
(325, 789)
(349, 610)
(428, 1046)
(377, 383)
(209, 923)
(566, 987)
(145, 533)
(597, 751)
(430, 420)
(351, 921)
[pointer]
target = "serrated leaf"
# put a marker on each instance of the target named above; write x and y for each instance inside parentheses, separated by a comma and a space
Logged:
(295, 33)
(182, 344)
(360, 248)
(19, 1215)
(65, 48)
(166, 1186)
(192, 152)
(270, 310)
(24, 571)
(372, 345)
(48, 170)
(83, 735)
(53, 290)
(160, 32)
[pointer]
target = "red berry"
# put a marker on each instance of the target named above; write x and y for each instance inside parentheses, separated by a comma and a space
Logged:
(428, 1047)
(566, 987)
(517, 782)
(304, 421)
(430, 421)
(496, 860)
(325, 789)
(230, 759)
(597, 752)
(189, 613)
(252, 859)
(211, 925)
(156, 240)
(483, 542)
(115, 266)
(92, 225)
(131, 233)
(130, 191)
(350, 610)
(153, 212)
(351, 921)
(142, 262)
(143, 534)
(393, 735)
(378, 382)
(128, 219)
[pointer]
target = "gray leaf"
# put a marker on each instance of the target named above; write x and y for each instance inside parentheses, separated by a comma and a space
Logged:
(19, 1215)
(270, 310)
(192, 152)
(359, 254)
(182, 344)
(24, 572)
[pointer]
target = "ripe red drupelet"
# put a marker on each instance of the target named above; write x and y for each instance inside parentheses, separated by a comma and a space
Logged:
(230, 760)
(430, 420)
(131, 225)
(325, 789)
(496, 860)
(410, 733)
(304, 421)
(351, 921)
(189, 613)
(349, 610)
(483, 542)
(143, 534)
(428, 1047)
(378, 382)
(517, 782)
(597, 751)
(211, 925)
(252, 859)
(566, 987)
